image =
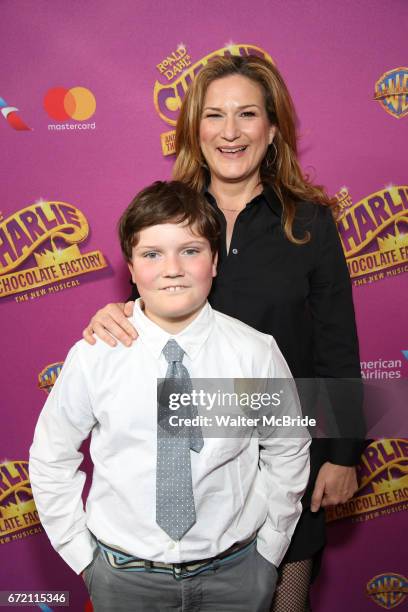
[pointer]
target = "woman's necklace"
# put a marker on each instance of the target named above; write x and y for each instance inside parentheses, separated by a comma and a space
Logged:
(231, 209)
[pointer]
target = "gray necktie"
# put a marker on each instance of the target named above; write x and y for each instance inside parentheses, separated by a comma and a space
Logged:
(175, 510)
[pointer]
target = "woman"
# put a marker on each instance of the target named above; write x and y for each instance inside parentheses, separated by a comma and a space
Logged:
(281, 266)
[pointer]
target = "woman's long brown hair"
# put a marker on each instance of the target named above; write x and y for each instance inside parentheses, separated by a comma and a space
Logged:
(280, 169)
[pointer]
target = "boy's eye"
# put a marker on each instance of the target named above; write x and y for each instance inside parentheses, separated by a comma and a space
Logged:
(191, 251)
(150, 255)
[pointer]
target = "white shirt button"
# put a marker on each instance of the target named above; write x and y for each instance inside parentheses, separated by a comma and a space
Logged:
(172, 546)
(235, 251)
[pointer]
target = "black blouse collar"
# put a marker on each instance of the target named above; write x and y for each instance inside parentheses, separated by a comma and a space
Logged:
(268, 194)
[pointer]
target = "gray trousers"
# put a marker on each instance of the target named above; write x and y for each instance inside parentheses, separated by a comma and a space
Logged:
(245, 584)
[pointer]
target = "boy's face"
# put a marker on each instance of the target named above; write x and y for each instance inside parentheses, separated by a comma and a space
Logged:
(173, 268)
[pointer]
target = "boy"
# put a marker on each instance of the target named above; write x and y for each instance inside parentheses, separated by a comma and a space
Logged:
(173, 521)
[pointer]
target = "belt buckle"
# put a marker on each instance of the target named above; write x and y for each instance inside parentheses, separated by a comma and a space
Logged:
(177, 571)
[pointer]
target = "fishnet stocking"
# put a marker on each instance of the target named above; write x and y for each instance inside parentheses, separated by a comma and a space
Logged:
(292, 590)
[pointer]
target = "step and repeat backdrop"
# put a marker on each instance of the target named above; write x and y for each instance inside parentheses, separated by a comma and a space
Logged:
(89, 98)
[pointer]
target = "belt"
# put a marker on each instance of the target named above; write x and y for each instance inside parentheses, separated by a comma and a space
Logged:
(128, 563)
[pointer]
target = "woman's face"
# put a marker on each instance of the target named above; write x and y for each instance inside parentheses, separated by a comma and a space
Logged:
(234, 130)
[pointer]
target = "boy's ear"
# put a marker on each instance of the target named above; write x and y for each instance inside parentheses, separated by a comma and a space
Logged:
(130, 266)
(214, 265)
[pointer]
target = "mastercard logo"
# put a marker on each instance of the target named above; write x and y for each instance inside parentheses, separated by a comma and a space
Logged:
(76, 103)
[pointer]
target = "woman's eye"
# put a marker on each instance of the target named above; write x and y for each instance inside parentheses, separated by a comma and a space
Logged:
(150, 255)
(248, 114)
(211, 115)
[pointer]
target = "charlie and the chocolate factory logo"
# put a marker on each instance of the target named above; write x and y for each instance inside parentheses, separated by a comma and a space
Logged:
(178, 71)
(46, 234)
(18, 515)
(383, 483)
(374, 233)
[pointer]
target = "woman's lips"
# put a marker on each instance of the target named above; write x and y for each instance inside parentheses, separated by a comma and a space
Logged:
(231, 151)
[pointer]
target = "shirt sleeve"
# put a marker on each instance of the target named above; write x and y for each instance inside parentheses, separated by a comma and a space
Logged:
(335, 341)
(284, 465)
(57, 483)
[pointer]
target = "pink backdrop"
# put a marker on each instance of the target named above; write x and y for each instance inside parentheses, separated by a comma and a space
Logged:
(332, 54)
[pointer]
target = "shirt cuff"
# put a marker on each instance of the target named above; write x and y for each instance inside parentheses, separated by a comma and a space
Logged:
(346, 451)
(78, 553)
(272, 544)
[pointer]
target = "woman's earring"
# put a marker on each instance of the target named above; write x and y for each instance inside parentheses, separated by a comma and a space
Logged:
(271, 162)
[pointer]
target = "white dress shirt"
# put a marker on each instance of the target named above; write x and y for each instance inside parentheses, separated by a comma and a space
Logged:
(241, 485)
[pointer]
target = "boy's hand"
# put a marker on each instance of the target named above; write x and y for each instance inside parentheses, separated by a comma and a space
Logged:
(110, 324)
(335, 484)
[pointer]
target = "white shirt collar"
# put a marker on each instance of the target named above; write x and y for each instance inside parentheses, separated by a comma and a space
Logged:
(191, 338)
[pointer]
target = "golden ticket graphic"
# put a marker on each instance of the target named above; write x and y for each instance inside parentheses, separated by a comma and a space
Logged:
(383, 482)
(374, 233)
(387, 590)
(168, 142)
(391, 91)
(168, 97)
(24, 233)
(18, 514)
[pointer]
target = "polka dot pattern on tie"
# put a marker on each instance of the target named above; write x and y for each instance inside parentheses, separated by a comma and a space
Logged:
(175, 509)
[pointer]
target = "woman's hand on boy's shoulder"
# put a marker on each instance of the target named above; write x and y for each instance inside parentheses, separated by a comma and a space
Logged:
(110, 324)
